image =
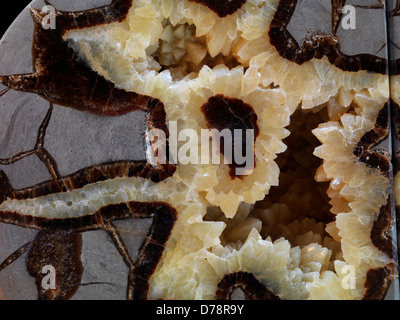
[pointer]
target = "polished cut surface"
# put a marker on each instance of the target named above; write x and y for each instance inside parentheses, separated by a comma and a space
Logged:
(83, 191)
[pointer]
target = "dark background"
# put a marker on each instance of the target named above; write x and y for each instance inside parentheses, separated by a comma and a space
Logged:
(10, 12)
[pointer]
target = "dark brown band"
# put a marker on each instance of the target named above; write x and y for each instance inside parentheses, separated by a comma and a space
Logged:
(251, 287)
(317, 46)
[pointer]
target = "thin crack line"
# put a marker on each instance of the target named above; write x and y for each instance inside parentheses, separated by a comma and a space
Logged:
(39, 150)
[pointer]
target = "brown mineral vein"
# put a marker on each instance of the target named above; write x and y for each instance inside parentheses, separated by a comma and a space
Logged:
(119, 244)
(337, 7)
(60, 77)
(92, 174)
(380, 5)
(116, 11)
(17, 157)
(251, 287)
(15, 255)
(59, 243)
(222, 8)
(150, 252)
(39, 150)
(381, 160)
(381, 230)
(318, 46)
(377, 283)
(375, 136)
(4, 91)
(83, 177)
